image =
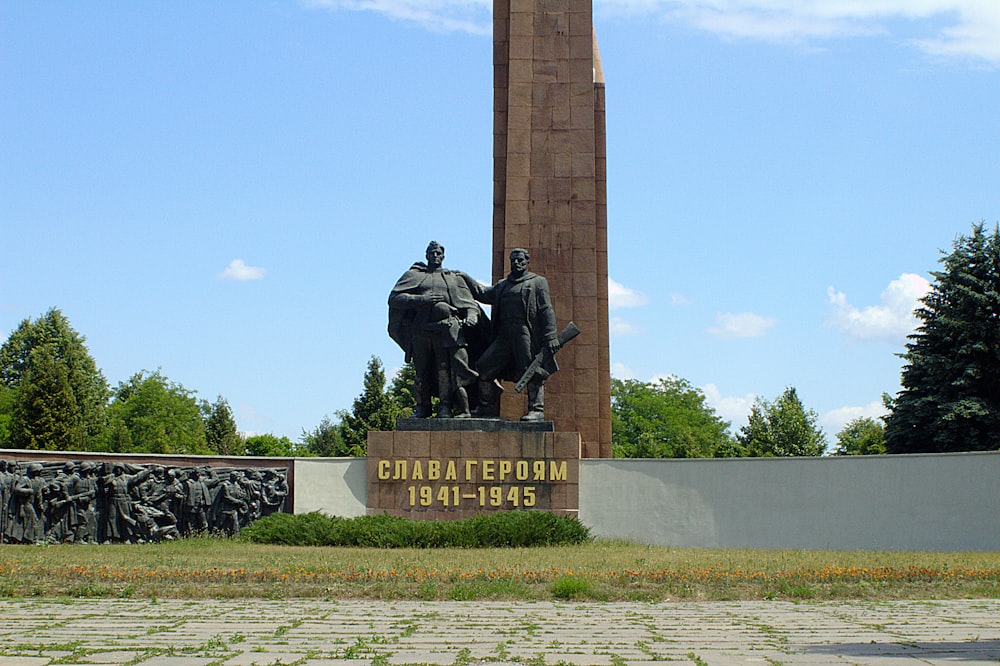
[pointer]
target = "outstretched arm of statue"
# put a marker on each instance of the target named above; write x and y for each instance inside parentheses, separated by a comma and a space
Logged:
(480, 292)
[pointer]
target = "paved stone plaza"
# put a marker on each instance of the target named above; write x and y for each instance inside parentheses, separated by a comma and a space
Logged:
(342, 633)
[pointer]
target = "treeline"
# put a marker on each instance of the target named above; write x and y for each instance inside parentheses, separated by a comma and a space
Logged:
(949, 402)
(670, 418)
(53, 397)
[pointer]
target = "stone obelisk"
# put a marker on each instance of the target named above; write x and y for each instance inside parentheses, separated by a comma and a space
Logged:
(550, 194)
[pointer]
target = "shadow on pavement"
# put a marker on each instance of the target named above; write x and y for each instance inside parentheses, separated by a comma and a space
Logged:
(952, 650)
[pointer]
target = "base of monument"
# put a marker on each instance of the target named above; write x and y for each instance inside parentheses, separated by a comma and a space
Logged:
(446, 475)
(472, 425)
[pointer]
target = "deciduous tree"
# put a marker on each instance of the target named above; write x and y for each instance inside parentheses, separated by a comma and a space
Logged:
(324, 440)
(863, 436)
(668, 418)
(781, 428)
(270, 445)
(151, 414)
(950, 397)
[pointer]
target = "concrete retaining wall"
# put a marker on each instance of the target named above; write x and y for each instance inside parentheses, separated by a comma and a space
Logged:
(944, 502)
(947, 502)
(334, 486)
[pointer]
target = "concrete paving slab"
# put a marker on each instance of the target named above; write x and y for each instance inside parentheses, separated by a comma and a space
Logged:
(114, 657)
(407, 657)
(263, 658)
(962, 632)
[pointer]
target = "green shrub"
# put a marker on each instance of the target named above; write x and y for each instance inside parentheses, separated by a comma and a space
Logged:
(510, 529)
(569, 587)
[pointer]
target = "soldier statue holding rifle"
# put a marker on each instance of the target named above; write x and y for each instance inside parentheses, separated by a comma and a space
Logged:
(525, 338)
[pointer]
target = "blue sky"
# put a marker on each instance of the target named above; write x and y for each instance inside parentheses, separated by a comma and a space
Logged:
(227, 191)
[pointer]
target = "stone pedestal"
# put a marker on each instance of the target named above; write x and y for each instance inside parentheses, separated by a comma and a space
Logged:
(451, 474)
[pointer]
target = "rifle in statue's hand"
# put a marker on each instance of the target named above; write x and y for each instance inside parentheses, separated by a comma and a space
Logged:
(565, 335)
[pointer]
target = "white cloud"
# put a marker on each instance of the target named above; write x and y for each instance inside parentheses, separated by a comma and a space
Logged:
(735, 409)
(975, 36)
(891, 320)
(620, 296)
(730, 325)
(621, 328)
(238, 270)
(621, 371)
(834, 420)
(680, 299)
(954, 28)
(966, 29)
(472, 16)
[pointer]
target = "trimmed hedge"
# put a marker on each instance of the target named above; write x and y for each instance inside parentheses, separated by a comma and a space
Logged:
(508, 529)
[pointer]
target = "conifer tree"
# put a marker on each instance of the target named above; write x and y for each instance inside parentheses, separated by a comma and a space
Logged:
(50, 376)
(374, 409)
(950, 397)
(221, 434)
(46, 414)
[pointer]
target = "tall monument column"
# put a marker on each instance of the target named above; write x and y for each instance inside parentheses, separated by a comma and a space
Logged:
(550, 194)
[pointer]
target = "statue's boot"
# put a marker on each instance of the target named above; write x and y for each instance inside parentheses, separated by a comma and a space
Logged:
(489, 400)
(536, 402)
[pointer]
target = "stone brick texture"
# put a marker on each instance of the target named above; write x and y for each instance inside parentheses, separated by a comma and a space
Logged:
(550, 194)
(495, 471)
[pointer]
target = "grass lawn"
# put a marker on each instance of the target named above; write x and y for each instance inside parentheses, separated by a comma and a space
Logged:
(613, 571)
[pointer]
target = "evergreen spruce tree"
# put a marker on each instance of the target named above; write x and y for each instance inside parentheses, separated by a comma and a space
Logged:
(50, 376)
(401, 389)
(6, 415)
(46, 413)
(374, 409)
(950, 397)
(221, 434)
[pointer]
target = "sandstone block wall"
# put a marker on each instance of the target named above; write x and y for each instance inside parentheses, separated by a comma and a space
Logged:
(550, 194)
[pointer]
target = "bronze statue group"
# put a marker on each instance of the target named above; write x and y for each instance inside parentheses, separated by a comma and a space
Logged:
(106, 502)
(458, 353)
